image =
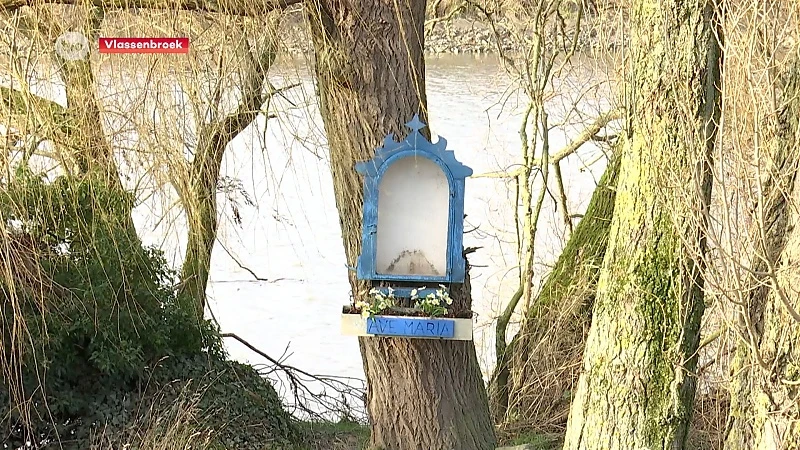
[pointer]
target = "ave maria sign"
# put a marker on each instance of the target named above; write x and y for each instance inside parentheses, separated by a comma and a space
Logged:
(407, 326)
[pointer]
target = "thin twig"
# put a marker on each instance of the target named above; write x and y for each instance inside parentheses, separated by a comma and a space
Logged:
(243, 267)
(562, 197)
(585, 136)
(336, 406)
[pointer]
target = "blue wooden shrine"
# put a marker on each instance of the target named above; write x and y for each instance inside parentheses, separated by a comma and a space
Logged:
(413, 220)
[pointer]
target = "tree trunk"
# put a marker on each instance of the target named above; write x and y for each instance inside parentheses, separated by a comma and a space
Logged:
(765, 410)
(637, 389)
(199, 200)
(199, 193)
(85, 138)
(371, 80)
(76, 131)
(565, 299)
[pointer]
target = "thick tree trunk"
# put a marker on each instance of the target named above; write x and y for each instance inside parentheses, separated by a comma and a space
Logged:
(637, 389)
(565, 299)
(371, 79)
(765, 397)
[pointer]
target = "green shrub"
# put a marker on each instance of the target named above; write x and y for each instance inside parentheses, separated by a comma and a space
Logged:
(241, 409)
(88, 314)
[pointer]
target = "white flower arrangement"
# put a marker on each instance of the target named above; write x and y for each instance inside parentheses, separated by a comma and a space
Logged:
(433, 304)
(380, 301)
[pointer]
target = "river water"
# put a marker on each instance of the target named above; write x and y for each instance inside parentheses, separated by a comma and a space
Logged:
(290, 234)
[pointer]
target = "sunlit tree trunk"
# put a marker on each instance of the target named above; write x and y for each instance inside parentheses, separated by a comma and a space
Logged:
(765, 389)
(199, 200)
(637, 388)
(422, 394)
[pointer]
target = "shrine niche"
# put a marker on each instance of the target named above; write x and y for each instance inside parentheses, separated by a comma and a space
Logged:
(412, 240)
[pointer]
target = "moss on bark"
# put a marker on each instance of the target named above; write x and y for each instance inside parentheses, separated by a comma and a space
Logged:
(566, 297)
(636, 389)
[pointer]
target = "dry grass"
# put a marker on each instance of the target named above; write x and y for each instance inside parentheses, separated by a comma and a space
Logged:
(543, 383)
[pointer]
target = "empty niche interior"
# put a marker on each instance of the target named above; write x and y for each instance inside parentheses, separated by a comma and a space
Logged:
(413, 218)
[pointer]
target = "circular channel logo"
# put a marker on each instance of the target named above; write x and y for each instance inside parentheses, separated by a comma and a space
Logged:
(72, 46)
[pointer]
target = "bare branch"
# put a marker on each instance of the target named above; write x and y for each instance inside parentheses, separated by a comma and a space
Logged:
(252, 98)
(502, 324)
(19, 102)
(243, 267)
(562, 197)
(251, 347)
(336, 396)
(501, 174)
(430, 24)
(588, 133)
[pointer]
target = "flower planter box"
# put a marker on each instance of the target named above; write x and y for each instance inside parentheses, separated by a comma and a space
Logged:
(413, 327)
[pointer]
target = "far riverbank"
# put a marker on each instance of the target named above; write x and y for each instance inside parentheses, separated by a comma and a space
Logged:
(471, 35)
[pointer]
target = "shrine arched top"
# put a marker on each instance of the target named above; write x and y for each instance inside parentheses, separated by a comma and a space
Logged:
(415, 144)
(391, 152)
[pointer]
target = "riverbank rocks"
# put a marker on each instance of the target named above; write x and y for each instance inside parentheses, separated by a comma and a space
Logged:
(465, 35)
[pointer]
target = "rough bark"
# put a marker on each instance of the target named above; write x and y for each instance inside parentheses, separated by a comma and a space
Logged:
(637, 389)
(566, 295)
(371, 80)
(765, 405)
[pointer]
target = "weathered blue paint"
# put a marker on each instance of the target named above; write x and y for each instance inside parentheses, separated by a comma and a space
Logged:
(411, 327)
(415, 144)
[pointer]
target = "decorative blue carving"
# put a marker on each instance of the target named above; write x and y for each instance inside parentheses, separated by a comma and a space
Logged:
(415, 144)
